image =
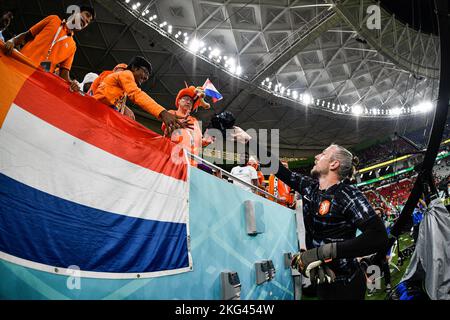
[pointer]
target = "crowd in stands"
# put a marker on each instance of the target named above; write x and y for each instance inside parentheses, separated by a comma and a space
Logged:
(396, 147)
(383, 151)
(392, 194)
(397, 193)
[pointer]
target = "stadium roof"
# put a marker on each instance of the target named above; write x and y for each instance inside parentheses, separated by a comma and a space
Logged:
(321, 51)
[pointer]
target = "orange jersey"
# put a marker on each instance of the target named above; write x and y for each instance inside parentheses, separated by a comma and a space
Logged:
(260, 178)
(118, 86)
(44, 32)
(190, 139)
(98, 80)
(281, 190)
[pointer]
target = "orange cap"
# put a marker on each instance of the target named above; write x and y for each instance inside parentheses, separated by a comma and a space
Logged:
(190, 92)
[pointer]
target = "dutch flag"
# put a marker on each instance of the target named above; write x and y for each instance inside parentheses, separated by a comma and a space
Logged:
(211, 91)
(81, 185)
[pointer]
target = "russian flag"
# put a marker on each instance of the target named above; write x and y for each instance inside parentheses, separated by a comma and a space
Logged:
(211, 91)
(82, 185)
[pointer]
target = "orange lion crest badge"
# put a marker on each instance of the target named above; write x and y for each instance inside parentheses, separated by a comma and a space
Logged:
(324, 207)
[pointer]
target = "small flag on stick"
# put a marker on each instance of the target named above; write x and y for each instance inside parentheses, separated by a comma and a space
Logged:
(211, 91)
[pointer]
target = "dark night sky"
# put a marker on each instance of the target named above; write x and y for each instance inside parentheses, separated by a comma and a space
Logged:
(417, 13)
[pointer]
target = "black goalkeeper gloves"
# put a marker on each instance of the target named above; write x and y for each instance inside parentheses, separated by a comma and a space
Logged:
(312, 263)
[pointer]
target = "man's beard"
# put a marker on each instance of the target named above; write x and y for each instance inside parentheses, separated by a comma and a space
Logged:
(314, 173)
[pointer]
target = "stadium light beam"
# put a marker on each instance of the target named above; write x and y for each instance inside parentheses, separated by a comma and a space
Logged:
(357, 110)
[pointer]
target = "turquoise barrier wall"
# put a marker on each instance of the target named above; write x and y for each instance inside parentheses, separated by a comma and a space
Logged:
(218, 242)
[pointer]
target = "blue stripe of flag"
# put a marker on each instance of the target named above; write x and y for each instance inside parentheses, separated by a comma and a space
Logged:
(46, 229)
(213, 94)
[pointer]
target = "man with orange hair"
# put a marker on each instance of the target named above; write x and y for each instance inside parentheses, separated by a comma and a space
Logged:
(191, 139)
(117, 87)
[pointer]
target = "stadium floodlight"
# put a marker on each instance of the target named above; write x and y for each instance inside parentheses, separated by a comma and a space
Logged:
(238, 70)
(396, 111)
(294, 94)
(196, 45)
(138, 4)
(307, 99)
(127, 1)
(134, 7)
(424, 106)
(267, 79)
(357, 109)
(169, 29)
(215, 52)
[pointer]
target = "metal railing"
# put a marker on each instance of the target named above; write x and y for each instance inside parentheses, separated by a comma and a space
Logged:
(232, 177)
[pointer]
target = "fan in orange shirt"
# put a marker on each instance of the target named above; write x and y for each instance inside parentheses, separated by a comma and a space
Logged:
(188, 100)
(49, 43)
(281, 190)
(94, 86)
(103, 75)
(117, 87)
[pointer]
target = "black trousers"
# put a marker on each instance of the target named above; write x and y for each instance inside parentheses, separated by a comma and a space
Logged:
(340, 290)
(386, 272)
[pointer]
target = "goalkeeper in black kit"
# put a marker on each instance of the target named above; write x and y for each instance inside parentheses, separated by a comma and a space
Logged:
(333, 211)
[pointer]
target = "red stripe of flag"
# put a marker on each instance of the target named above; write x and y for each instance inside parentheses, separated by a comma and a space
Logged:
(49, 98)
